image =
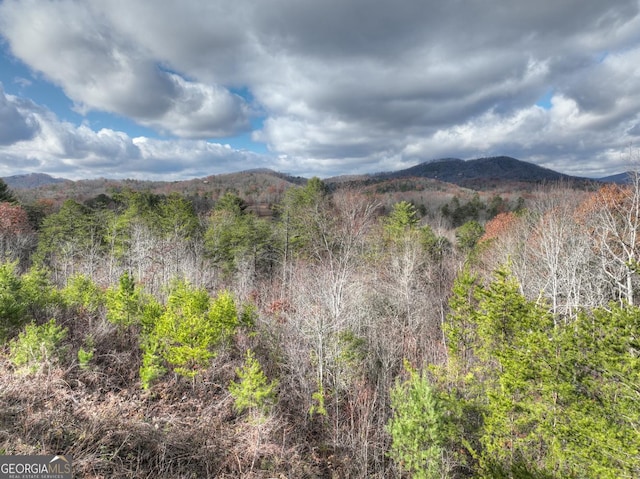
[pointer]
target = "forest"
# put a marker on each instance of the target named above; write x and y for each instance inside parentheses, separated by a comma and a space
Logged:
(331, 333)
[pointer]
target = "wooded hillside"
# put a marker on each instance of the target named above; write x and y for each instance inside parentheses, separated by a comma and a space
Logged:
(342, 332)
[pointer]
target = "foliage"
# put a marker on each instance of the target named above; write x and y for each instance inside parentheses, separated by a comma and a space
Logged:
(248, 315)
(468, 235)
(460, 214)
(435, 246)
(303, 213)
(600, 379)
(13, 219)
(510, 391)
(556, 398)
(402, 218)
(253, 391)
(82, 292)
(124, 303)
(460, 327)
(86, 355)
(22, 297)
(186, 333)
(17, 238)
(37, 292)
(6, 195)
(71, 232)
(232, 204)
(401, 228)
(152, 367)
(496, 206)
(318, 402)
(417, 427)
(235, 235)
(11, 307)
(176, 218)
(37, 346)
(499, 226)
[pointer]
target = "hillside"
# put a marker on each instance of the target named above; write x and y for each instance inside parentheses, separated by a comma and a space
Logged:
(620, 178)
(264, 186)
(255, 187)
(482, 172)
(31, 180)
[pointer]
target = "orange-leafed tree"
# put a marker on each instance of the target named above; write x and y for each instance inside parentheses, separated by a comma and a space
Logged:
(499, 226)
(16, 234)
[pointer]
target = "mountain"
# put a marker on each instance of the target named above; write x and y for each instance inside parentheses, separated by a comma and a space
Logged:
(620, 178)
(476, 174)
(32, 180)
(481, 172)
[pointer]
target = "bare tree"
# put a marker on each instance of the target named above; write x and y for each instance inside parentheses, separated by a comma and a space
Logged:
(614, 220)
(559, 252)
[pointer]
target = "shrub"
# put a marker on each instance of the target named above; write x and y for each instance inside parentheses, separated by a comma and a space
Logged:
(253, 391)
(37, 346)
(86, 355)
(186, 333)
(82, 292)
(12, 308)
(417, 427)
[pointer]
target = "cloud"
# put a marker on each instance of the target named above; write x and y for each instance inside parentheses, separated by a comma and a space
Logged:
(344, 85)
(63, 149)
(192, 115)
(101, 69)
(15, 123)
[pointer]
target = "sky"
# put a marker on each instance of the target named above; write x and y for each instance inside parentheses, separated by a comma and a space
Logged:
(177, 89)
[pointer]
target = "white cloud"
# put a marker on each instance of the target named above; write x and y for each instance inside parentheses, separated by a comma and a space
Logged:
(63, 149)
(101, 69)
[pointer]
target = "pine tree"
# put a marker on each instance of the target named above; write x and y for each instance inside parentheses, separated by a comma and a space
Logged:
(12, 306)
(185, 334)
(417, 427)
(124, 303)
(402, 218)
(6, 195)
(253, 391)
(37, 346)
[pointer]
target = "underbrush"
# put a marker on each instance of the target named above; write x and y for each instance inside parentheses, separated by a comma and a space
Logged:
(180, 428)
(176, 430)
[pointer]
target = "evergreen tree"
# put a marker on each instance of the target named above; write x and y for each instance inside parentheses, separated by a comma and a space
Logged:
(185, 335)
(460, 327)
(82, 293)
(12, 306)
(556, 399)
(402, 218)
(418, 427)
(235, 235)
(124, 303)
(6, 195)
(468, 235)
(71, 240)
(598, 424)
(253, 391)
(37, 346)
(304, 217)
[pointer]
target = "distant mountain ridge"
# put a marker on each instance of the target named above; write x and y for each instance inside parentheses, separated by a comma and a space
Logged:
(31, 180)
(620, 178)
(481, 171)
(475, 174)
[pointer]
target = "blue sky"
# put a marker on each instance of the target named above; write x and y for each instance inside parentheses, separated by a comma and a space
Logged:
(180, 89)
